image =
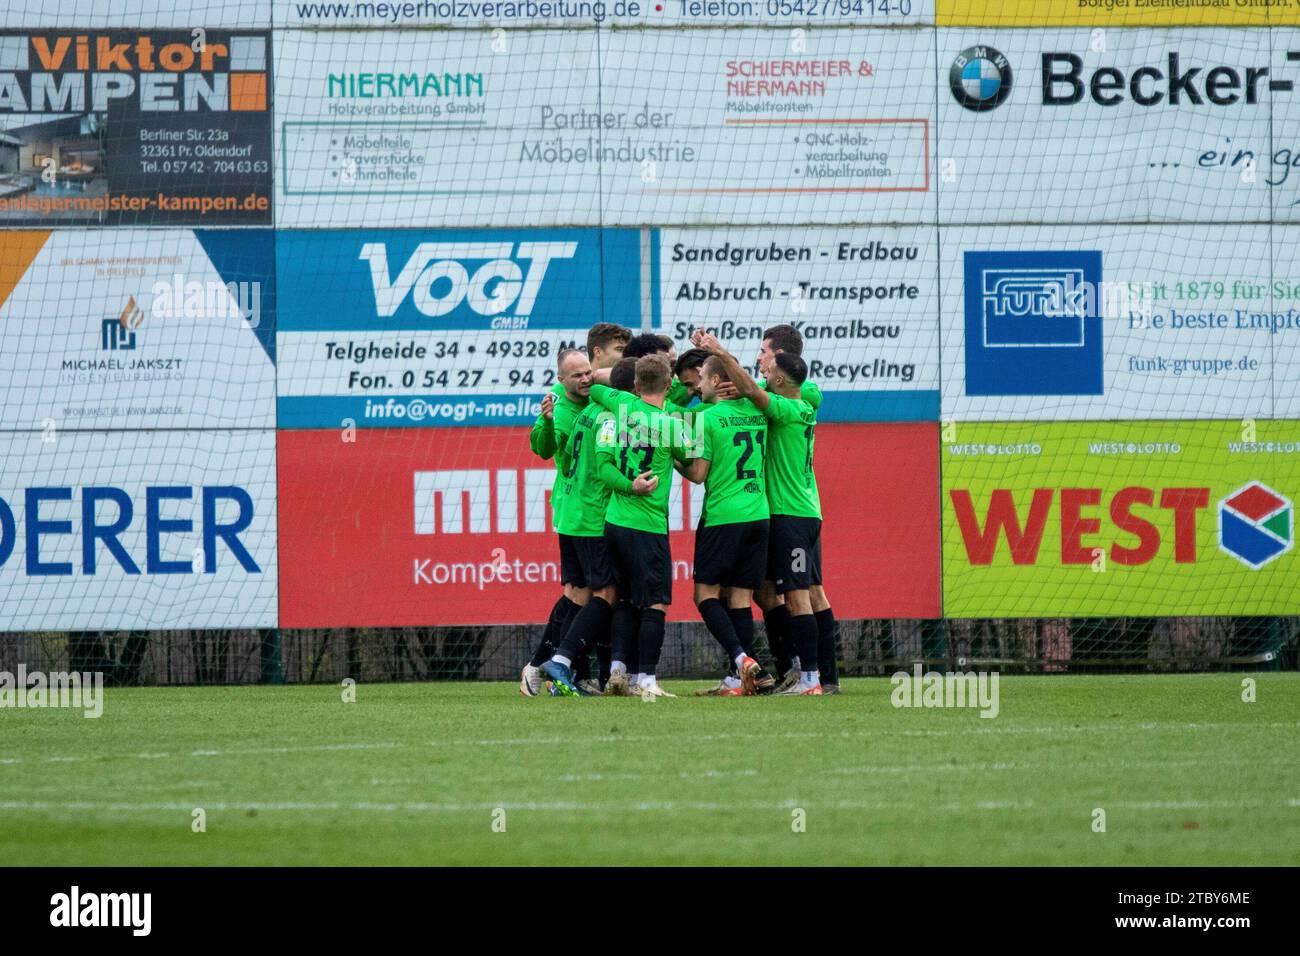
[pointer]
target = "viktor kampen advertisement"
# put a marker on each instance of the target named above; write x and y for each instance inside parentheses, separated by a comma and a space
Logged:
(122, 127)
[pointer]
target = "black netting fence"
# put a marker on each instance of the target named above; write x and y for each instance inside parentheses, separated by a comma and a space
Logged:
(865, 648)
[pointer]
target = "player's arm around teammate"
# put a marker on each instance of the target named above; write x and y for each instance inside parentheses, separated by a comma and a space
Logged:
(794, 546)
(731, 540)
(777, 340)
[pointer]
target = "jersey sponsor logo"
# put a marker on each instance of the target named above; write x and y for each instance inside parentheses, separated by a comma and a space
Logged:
(1256, 525)
(1033, 323)
(492, 279)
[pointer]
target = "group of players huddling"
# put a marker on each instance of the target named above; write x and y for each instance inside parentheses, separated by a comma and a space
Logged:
(617, 424)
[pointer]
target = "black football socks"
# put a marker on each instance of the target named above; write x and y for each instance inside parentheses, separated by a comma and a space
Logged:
(623, 628)
(803, 631)
(776, 621)
(826, 650)
(742, 619)
(587, 626)
(651, 639)
(554, 632)
(718, 621)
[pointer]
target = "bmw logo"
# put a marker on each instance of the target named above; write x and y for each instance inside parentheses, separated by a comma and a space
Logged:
(980, 78)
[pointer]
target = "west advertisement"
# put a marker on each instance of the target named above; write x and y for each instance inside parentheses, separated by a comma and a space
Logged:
(1097, 519)
(452, 526)
(458, 128)
(158, 530)
(132, 127)
(137, 329)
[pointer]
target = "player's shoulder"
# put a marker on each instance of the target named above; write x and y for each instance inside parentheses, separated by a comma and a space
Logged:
(567, 407)
(792, 407)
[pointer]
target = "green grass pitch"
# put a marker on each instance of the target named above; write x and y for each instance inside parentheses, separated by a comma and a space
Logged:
(1186, 772)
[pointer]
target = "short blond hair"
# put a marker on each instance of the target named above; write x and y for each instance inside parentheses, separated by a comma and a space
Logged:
(653, 374)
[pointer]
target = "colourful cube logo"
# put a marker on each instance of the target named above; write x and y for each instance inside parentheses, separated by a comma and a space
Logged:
(1256, 524)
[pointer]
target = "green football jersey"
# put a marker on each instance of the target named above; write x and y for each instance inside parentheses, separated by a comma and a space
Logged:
(734, 443)
(808, 391)
(588, 496)
(678, 394)
(549, 439)
(791, 483)
(637, 439)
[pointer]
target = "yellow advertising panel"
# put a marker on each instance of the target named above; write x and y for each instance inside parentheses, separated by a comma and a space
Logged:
(1101, 519)
(1116, 13)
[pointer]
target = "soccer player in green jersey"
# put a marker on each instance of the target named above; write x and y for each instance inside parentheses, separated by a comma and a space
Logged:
(776, 616)
(731, 540)
(635, 450)
(605, 344)
(584, 523)
(686, 370)
(651, 343)
(794, 541)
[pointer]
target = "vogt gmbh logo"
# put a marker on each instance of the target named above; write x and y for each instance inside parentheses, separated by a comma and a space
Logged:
(1033, 323)
(980, 78)
(1256, 525)
(500, 280)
